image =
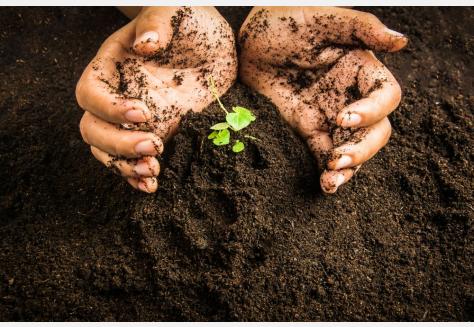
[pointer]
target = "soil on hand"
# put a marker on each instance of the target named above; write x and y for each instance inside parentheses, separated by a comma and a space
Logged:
(228, 236)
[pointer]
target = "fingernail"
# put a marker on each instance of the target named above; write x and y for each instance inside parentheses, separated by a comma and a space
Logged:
(351, 120)
(137, 112)
(136, 116)
(146, 37)
(394, 33)
(142, 187)
(343, 162)
(142, 168)
(146, 148)
(339, 180)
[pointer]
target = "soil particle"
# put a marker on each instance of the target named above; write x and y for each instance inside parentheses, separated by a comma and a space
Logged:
(352, 94)
(178, 78)
(293, 25)
(258, 24)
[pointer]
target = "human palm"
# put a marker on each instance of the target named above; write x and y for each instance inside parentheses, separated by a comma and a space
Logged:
(314, 65)
(145, 77)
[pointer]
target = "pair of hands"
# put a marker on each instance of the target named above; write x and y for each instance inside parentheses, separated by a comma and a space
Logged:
(311, 62)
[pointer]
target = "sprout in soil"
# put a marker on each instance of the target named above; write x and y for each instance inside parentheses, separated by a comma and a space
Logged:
(236, 120)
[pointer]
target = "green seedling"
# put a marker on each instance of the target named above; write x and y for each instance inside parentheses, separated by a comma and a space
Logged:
(235, 121)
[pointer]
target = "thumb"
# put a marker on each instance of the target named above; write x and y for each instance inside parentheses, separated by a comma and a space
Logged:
(153, 30)
(374, 34)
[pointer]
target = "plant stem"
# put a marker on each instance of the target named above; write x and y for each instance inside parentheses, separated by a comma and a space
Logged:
(251, 137)
(215, 94)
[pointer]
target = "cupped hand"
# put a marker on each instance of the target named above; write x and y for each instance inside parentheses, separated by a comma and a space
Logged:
(144, 78)
(316, 66)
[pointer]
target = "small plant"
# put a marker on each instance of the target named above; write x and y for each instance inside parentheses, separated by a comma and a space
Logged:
(236, 120)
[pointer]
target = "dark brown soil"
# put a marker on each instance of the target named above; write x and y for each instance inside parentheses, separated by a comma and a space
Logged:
(235, 237)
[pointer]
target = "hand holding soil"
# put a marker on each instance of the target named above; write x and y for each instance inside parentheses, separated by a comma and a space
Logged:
(315, 66)
(144, 78)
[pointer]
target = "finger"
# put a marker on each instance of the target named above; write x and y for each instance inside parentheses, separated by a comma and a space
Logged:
(144, 167)
(381, 92)
(368, 111)
(146, 184)
(353, 27)
(335, 88)
(326, 57)
(95, 96)
(98, 90)
(376, 35)
(362, 146)
(134, 182)
(320, 144)
(331, 180)
(153, 30)
(371, 31)
(111, 139)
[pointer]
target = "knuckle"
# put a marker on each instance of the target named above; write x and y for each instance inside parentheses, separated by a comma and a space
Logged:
(95, 152)
(389, 130)
(370, 18)
(83, 124)
(397, 93)
(359, 156)
(125, 168)
(124, 147)
(115, 115)
(79, 93)
(148, 18)
(147, 13)
(83, 93)
(157, 169)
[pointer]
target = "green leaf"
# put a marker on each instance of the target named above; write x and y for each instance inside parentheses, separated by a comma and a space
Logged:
(238, 146)
(245, 112)
(212, 135)
(222, 138)
(240, 118)
(220, 126)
